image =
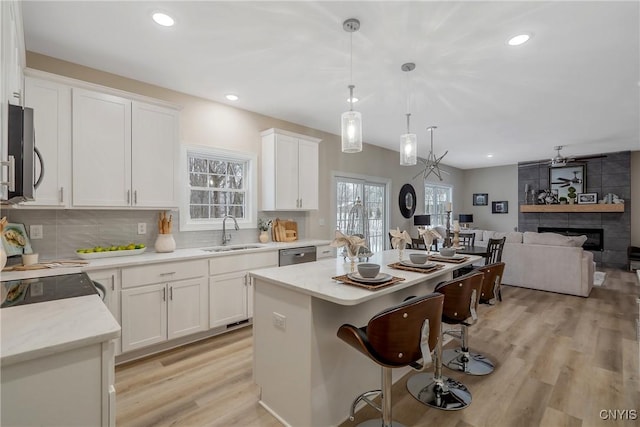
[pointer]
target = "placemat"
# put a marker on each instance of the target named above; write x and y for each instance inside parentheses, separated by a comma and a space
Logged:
(372, 287)
(449, 260)
(399, 266)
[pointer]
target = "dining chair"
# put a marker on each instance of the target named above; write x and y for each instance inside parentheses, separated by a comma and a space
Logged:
(494, 251)
(467, 239)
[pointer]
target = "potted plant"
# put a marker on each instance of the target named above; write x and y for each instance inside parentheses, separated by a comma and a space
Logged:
(572, 195)
(263, 226)
(563, 200)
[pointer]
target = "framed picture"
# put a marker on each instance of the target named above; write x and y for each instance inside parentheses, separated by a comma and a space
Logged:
(15, 240)
(561, 179)
(480, 199)
(587, 198)
(500, 207)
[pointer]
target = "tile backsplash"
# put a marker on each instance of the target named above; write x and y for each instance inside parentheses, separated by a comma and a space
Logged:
(64, 231)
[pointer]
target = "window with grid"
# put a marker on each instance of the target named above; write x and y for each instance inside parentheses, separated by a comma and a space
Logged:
(219, 184)
(435, 197)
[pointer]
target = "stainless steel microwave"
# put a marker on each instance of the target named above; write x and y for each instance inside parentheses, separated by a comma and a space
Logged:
(21, 156)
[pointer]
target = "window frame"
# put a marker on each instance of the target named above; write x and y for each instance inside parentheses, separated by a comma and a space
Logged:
(432, 184)
(251, 191)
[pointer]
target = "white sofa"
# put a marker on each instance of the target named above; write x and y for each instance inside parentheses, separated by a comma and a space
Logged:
(545, 261)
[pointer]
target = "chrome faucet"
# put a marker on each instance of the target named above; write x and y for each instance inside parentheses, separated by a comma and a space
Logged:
(227, 237)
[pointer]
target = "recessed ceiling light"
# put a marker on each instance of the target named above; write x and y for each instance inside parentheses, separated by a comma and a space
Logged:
(231, 97)
(355, 99)
(163, 19)
(519, 39)
(489, 155)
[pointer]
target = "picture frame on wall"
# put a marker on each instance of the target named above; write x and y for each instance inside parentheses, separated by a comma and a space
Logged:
(587, 198)
(480, 199)
(501, 207)
(565, 177)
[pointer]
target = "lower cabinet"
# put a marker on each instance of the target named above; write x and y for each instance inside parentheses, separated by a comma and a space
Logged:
(110, 280)
(156, 312)
(228, 296)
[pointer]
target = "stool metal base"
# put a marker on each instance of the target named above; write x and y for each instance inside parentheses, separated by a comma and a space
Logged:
(447, 394)
(378, 423)
(468, 362)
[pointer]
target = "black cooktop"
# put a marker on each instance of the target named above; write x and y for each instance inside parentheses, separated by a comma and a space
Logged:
(41, 289)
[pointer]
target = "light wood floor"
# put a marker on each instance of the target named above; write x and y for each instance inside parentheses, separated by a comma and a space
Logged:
(560, 361)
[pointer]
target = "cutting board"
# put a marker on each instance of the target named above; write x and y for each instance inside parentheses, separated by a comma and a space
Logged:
(284, 231)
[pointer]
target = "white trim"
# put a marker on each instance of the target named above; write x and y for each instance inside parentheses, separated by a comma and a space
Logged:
(251, 210)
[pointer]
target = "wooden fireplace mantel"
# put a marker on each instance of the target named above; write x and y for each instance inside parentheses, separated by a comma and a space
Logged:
(573, 208)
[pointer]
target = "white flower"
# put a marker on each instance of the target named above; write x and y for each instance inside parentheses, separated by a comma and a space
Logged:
(400, 239)
(428, 235)
(353, 243)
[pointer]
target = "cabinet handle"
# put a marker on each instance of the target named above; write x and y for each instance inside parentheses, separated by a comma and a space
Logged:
(171, 293)
(300, 202)
(61, 194)
(135, 197)
(16, 95)
(128, 196)
(168, 274)
(113, 282)
(164, 294)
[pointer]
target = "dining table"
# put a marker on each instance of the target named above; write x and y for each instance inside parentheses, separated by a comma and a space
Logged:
(472, 250)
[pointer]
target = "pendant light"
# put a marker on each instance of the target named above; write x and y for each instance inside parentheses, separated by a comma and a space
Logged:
(408, 141)
(351, 120)
(432, 163)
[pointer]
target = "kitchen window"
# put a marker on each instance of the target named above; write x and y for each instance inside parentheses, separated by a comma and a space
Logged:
(219, 183)
(435, 198)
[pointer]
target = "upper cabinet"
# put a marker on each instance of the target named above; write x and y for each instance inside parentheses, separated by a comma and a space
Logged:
(13, 52)
(124, 152)
(51, 103)
(289, 171)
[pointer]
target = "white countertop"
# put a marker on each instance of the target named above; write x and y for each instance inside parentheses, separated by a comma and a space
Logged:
(315, 278)
(36, 330)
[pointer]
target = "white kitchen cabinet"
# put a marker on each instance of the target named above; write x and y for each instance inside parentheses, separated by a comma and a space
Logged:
(124, 152)
(231, 287)
(162, 302)
(325, 251)
(51, 103)
(110, 280)
(289, 171)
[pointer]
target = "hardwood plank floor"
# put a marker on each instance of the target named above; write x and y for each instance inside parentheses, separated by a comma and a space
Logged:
(560, 361)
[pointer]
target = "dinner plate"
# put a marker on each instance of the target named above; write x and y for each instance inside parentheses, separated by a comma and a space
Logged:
(452, 256)
(410, 264)
(381, 277)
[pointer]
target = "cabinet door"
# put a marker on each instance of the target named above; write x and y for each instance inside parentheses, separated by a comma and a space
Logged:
(144, 316)
(154, 148)
(227, 299)
(101, 149)
(286, 172)
(308, 174)
(13, 51)
(51, 103)
(110, 280)
(188, 307)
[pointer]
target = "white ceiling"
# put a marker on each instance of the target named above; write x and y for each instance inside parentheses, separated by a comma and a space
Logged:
(575, 83)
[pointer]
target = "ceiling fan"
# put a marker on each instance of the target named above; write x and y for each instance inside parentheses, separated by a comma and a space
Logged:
(565, 182)
(558, 160)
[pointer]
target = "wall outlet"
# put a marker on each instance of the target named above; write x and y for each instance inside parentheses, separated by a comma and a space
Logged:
(279, 321)
(35, 232)
(142, 228)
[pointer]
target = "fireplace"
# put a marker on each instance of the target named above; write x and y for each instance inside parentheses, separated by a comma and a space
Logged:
(594, 235)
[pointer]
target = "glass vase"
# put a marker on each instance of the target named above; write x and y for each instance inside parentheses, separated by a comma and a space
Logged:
(353, 257)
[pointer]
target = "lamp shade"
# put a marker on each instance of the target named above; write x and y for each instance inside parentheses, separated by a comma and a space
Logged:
(422, 220)
(351, 132)
(465, 218)
(408, 149)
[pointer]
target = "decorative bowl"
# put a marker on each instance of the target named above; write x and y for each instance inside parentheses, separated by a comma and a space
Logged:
(447, 251)
(368, 270)
(418, 258)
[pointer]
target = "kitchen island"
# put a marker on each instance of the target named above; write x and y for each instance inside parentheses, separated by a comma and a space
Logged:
(307, 375)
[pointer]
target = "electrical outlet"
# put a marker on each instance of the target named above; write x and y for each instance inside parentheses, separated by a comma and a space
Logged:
(279, 321)
(142, 228)
(35, 232)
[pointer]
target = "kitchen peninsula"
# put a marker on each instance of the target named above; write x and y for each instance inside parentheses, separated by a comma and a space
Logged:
(307, 375)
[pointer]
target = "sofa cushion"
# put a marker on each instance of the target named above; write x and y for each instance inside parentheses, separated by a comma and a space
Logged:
(487, 234)
(552, 239)
(513, 237)
(478, 234)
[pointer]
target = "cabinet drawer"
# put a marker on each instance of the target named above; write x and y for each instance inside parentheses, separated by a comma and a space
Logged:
(228, 264)
(158, 273)
(325, 251)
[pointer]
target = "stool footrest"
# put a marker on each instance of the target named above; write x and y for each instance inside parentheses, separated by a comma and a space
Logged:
(365, 397)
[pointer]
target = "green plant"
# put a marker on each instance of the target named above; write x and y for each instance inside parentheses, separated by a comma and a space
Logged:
(571, 193)
(264, 224)
(562, 199)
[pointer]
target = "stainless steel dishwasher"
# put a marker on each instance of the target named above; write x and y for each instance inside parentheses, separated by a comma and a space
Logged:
(296, 255)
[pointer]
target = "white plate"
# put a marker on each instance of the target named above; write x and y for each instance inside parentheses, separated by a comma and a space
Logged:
(381, 277)
(109, 254)
(456, 256)
(425, 265)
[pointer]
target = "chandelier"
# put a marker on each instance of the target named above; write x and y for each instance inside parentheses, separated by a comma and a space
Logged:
(351, 125)
(432, 163)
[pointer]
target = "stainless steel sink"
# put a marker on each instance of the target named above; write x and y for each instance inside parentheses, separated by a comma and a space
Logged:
(231, 248)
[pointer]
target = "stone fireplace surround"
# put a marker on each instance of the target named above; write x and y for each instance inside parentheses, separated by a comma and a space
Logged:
(611, 174)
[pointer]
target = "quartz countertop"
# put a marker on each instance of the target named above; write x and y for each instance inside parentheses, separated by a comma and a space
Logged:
(315, 278)
(35, 330)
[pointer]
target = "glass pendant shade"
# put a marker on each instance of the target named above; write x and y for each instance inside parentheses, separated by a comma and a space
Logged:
(408, 149)
(351, 132)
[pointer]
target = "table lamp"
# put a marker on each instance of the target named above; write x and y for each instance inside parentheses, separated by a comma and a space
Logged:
(465, 219)
(421, 220)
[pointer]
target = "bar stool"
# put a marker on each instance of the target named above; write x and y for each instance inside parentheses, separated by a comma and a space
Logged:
(463, 311)
(491, 283)
(438, 391)
(396, 337)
